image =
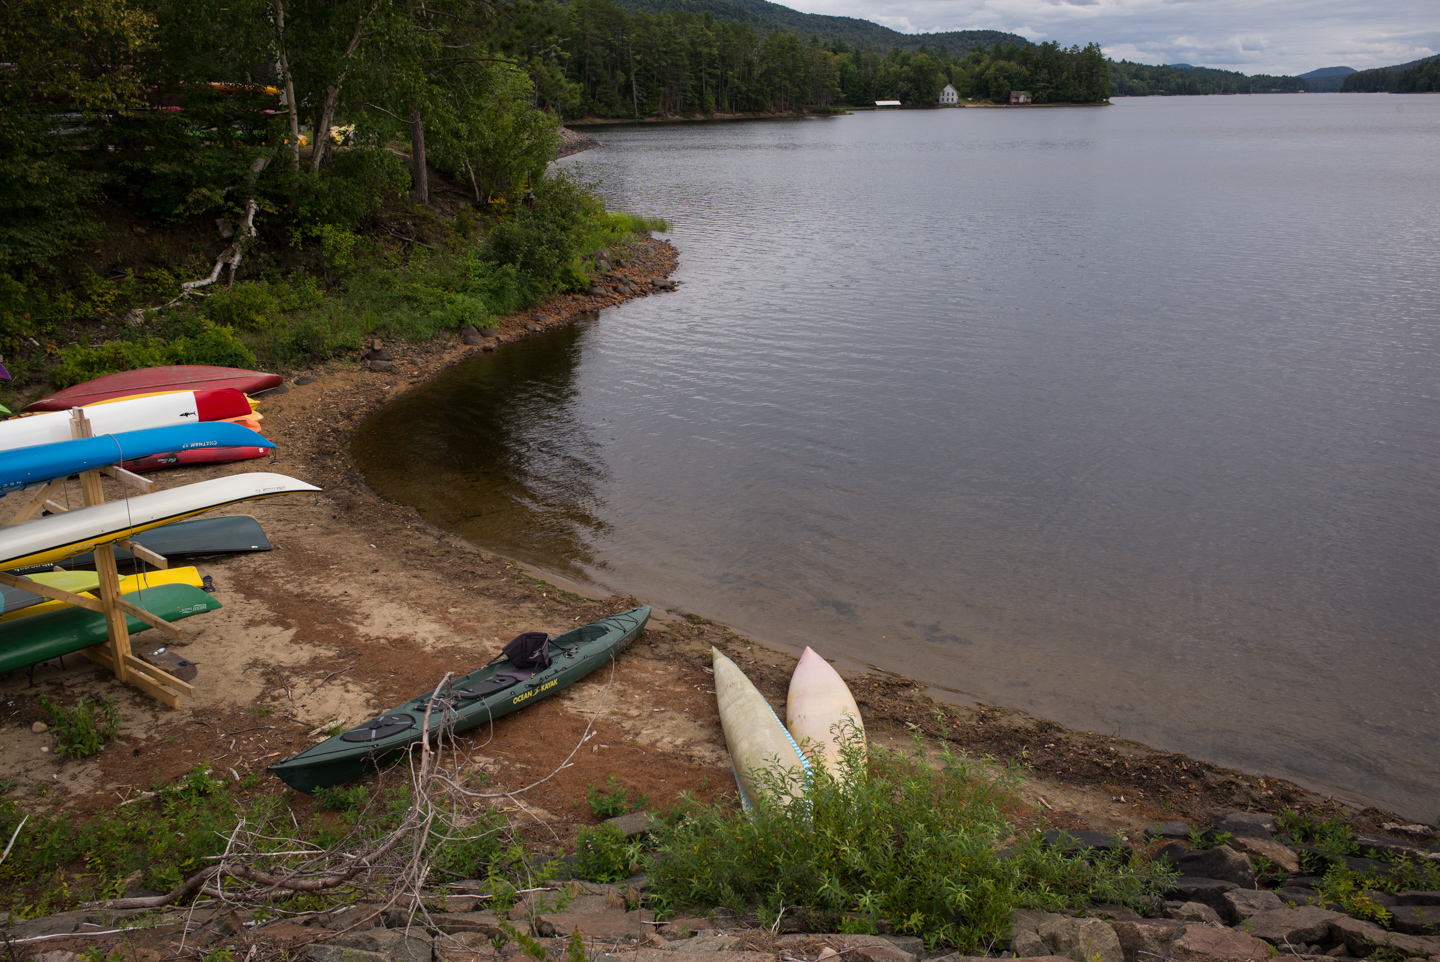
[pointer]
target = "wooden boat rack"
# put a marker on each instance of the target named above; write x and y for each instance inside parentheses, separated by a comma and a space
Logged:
(115, 653)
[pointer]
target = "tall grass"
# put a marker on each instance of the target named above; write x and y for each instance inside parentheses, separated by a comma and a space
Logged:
(914, 842)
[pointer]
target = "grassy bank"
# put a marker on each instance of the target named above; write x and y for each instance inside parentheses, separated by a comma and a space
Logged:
(312, 286)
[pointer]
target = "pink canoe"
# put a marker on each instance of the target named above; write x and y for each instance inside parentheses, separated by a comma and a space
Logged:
(181, 377)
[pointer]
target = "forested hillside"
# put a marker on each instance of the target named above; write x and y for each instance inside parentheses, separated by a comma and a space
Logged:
(641, 64)
(267, 169)
(1143, 80)
(1327, 80)
(1416, 77)
(767, 17)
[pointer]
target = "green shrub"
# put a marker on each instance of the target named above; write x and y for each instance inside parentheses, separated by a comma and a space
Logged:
(602, 854)
(355, 184)
(615, 801)
(204, 343)
(907, 844)
(545, 242)
(83, 730)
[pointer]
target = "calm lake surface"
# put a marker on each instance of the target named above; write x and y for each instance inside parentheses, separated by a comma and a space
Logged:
(1128, 417)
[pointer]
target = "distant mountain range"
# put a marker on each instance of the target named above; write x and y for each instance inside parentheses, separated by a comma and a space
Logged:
(766, 17)
(1327, 80)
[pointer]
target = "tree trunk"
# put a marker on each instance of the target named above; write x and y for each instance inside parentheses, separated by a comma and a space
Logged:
(322, 125)
(420, 181)
(290, 107)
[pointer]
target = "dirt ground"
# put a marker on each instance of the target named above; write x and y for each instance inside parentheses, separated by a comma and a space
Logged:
(362, 605)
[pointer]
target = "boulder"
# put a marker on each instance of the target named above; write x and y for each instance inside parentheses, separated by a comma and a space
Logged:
(1361, 937)
(1026, 943)
(393, 945)
(1244, 903)
(1221, 862)
(708, 943)
(473, 340)
(614, 924)
(875, 948)
(1206, 943)
(1417, 919)
(663, 285)
(1391, 846)
(382, 367)
(669, 955)
(1259, 846)
(633, 824)
(331, 952)
(685, 928)
(1299, 895)
(1243, 823)
(1081, 841)
(1194, 912)
(1147, 939)
(452, 923)
(907, 943)
(379, 354)
(1169, 830)
(489, 332)
(1208, 891)
(1418, 898)
(1083, 940)
(1307, 924)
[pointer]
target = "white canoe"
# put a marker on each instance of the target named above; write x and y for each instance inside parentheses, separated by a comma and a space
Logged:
(817, 708)
(753, 733)
(59, 536)
(156, 411)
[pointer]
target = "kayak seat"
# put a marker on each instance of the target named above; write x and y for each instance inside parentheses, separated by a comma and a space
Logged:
(382, 727)
(499, 681)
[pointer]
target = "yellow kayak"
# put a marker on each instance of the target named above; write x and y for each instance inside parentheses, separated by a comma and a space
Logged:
(86, 582)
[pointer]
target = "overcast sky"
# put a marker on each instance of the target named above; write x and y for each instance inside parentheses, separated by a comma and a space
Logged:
(1253, 36)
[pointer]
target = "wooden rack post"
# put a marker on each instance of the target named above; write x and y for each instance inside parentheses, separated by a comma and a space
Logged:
(115, 653)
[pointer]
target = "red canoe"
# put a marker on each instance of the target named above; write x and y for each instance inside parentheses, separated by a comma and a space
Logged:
(177, 459)
(180, 377)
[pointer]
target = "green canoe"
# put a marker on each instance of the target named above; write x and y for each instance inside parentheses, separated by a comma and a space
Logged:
(28, 641)
(474, 699)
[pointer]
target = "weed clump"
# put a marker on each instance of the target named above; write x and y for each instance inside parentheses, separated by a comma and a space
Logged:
(910, 843)
(83, 730)
(613, 800)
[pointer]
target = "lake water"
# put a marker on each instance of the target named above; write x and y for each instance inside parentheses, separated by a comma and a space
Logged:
(1128, 416)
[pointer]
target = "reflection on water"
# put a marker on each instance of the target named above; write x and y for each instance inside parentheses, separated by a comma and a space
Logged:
(492, 450)
(1127, 417)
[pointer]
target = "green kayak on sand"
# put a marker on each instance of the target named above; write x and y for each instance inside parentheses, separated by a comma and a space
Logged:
(532, 666)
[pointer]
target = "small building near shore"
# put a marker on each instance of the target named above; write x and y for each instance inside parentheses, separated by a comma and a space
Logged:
(887, 103)
(1019, 96)
(950, 95)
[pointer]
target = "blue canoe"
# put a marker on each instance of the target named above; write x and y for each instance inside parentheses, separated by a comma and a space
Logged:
(22, 467)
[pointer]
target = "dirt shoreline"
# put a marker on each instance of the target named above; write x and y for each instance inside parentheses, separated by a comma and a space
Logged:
(362, 605)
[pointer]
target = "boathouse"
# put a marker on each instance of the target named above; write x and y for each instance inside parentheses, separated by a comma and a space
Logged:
(1019, 96)
(950, 95)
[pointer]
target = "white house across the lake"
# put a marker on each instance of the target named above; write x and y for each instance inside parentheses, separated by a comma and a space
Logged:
(950, 95)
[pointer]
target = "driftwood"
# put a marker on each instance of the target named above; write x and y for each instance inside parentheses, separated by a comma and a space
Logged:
(230, 255)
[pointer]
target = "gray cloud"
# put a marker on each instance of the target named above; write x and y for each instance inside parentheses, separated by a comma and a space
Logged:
(1254, 36)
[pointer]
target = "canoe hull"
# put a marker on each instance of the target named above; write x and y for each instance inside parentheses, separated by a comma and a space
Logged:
(231, 534)
(753, 733)
(182, 377)
(22, 467)
(162, 410)
(820, 702)
(60, 536)
(180, 459)
(575, 655)
(81, 582)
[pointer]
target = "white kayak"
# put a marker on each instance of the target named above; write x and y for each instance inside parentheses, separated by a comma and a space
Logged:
(820, 711)
(753, 733)
(59, 536)
(137, 414)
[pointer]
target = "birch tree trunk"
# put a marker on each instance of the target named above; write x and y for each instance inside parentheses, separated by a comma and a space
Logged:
(290, 107)
(421, 180)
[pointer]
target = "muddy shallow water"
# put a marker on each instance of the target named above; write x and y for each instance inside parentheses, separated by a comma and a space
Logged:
(1127, 417)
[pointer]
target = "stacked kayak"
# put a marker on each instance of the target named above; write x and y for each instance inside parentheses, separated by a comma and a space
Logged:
(151, 380)
(31, 640)
(23, 467)
(505, 685)
(232, 534)
(57, 537)
(86, 582)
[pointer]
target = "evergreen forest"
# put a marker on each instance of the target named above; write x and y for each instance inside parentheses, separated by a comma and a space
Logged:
(1423, 76)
